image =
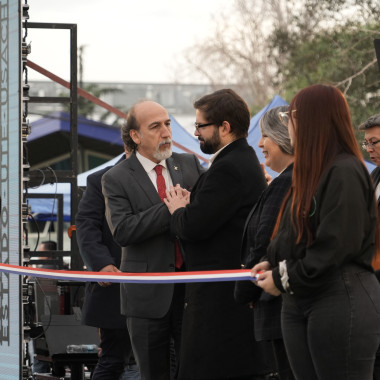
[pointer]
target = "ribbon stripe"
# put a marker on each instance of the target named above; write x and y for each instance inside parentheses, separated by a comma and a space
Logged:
(139, 278)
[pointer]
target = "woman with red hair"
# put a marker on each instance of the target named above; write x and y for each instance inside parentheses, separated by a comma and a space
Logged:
(323, 244)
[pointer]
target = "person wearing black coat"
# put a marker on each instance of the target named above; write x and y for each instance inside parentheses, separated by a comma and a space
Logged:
(371, 128)
(278, 153)
(217, 333)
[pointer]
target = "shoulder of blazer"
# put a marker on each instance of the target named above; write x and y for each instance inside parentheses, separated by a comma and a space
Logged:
(182, 156)
(285, 176)
(185, 158)
(238, 145)
(132, 163)
(98, 174)
(375, 175)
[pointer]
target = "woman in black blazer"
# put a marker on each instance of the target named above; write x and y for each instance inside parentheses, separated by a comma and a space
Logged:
(275, 144)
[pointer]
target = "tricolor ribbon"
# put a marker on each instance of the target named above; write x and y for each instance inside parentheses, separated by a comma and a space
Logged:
(137, 278)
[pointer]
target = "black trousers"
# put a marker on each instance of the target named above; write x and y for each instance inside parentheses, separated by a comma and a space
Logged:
(152, 339)
(281, 359)
(116, 351)
(334, 334)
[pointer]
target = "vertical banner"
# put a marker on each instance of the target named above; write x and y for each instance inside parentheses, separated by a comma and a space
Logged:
(11, 333)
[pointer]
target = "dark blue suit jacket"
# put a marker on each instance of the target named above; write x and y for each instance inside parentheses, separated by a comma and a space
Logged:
(97, 247)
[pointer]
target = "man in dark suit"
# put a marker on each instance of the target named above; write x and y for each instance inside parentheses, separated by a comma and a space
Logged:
(371, 128)
(371, 144)
(217, 333)
(139, 221)
(101, 306)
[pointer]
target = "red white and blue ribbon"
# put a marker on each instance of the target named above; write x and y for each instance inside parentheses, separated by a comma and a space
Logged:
(139, 278)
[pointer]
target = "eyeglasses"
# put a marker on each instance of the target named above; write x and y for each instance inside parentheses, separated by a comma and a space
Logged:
(369, 144)
(198, 125)
(284, 117)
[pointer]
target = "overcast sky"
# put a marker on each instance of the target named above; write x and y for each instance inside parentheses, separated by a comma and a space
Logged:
(125, 40)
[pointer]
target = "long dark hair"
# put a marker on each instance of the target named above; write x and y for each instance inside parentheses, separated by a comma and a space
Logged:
(323, 128)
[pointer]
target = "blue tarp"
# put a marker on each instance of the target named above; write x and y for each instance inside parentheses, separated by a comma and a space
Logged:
(59, 121)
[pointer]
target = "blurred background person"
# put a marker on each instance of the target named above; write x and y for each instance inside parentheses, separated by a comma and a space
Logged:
(47, 262)
(323, 245)
(48, 245)
(278, 153)
(371, 128)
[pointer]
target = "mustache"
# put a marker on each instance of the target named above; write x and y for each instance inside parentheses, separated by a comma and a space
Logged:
(167, 141)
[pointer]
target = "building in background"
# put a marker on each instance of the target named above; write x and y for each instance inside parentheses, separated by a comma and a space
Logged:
(177, 98)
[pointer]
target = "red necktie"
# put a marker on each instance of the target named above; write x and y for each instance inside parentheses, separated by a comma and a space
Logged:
(161, 188)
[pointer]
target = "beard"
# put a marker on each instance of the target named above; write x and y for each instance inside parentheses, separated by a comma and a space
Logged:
(161, 155)
(211, 145)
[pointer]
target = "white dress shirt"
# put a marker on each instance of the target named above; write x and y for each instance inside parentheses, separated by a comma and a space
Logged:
(149, 166)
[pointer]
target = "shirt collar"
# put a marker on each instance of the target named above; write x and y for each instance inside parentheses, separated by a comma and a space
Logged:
(147, 164)
(216, 154)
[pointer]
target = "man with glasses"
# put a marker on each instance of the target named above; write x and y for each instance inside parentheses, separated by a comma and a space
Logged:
(371, 144)
(140, 223)
(217, 333)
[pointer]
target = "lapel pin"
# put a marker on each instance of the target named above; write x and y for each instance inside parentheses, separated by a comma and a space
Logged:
(175, 167)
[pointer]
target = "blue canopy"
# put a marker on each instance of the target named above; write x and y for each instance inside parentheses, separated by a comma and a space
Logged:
(59, 121)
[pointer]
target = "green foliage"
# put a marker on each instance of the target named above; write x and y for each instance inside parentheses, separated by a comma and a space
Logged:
(331, 42)
(281, 46)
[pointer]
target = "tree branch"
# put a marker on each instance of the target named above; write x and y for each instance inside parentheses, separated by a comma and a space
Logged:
(349, 79)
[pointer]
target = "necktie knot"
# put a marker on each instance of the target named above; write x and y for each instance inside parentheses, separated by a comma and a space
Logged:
(158, 169)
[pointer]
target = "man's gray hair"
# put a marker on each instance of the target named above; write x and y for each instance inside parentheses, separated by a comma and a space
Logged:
(129, 124)
(271, 126)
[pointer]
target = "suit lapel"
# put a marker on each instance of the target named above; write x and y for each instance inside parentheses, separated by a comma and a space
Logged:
(375, 176)
(139, 174)
(175, 171)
